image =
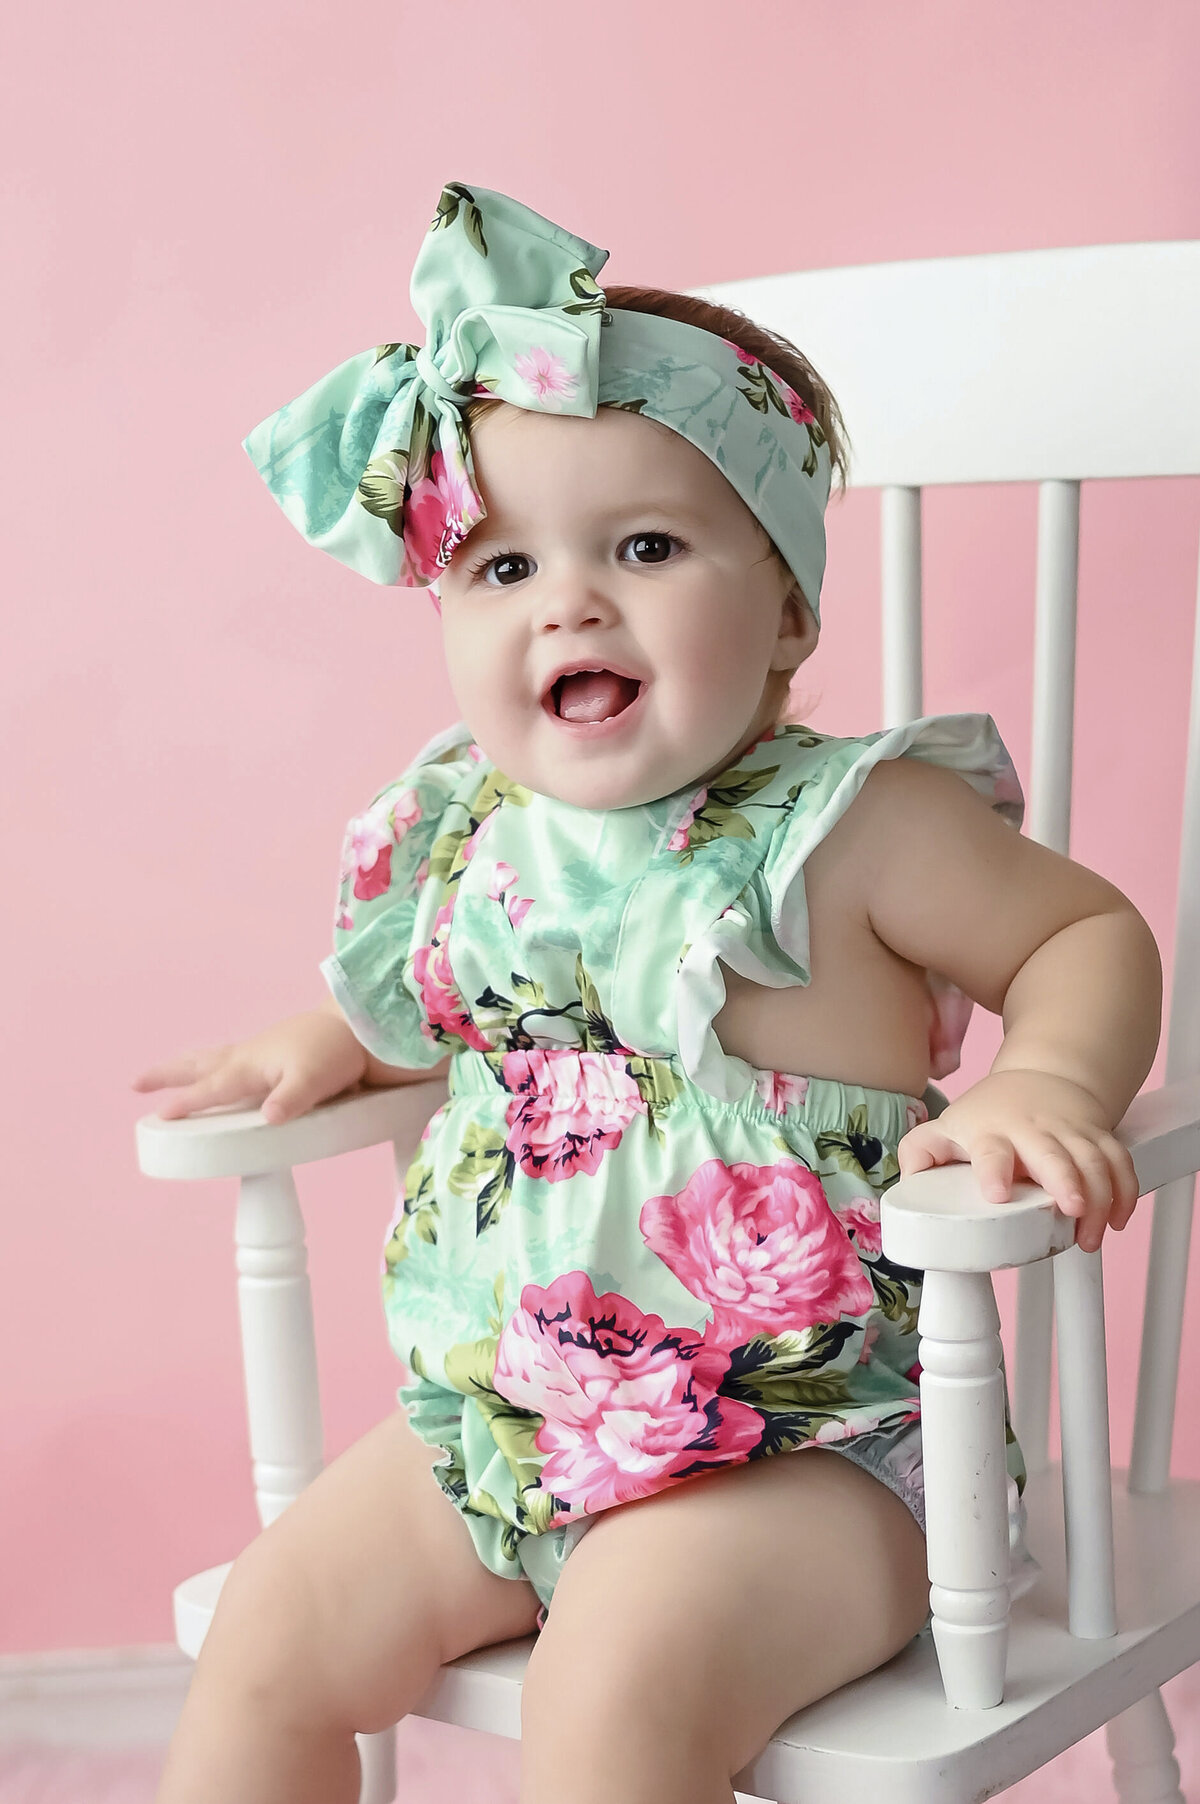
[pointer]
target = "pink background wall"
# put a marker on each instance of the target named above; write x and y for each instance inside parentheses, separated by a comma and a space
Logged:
(208, 206)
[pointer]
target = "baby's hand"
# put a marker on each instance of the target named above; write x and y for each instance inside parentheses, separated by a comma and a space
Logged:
(1028, 1124)
(286, 1070)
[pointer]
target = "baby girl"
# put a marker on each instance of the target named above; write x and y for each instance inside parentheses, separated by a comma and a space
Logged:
(689, 967)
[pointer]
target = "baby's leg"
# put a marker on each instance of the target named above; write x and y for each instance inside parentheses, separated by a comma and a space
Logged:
(333, 1621)
(687, 1626)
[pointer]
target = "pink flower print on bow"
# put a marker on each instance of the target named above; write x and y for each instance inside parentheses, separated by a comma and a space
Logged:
(436, 516)
(546, 376)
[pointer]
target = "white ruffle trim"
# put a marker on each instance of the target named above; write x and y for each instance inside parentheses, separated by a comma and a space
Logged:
(967, 743)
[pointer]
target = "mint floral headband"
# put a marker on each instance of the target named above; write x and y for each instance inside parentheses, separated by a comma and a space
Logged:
(373, 462)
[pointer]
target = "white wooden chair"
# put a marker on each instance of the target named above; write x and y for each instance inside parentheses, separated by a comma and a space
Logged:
(976, 369)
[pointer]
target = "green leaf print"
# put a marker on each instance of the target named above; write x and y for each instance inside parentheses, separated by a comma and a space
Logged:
(591, 295)
(536, 1508)
(513, 1431)
(484, 1171)
(796, 1390)
(455, 197)
(657, 1086)
(720, 816)
(598, 1032)
(420, 1216)
(802, 737)
(856, 1151)
(762, 393)
(381, 489)
(420, 443)
(382, 351)
(470, 1365)
(791, 1371)
(895, 1299)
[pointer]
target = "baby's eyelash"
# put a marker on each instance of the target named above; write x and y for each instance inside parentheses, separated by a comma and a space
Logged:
(491, 558)
(495, 557)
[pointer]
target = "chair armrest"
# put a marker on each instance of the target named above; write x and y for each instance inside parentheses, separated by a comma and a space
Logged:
(231, 1142)
(938, 1220)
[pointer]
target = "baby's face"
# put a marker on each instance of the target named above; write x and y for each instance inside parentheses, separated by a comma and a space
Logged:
(613, 545)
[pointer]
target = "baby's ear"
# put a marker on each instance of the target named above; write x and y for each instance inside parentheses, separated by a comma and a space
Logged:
(798, 631)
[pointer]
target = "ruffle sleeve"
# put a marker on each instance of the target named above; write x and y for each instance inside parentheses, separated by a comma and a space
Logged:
(379, 916)
(764, 934)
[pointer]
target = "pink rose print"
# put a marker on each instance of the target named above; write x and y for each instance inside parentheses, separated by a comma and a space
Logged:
(502, 876)
(344, 921)
(679, 839)
(914, 1372)
(800, 411)
(568, 1109)
(546, 374)
(440, 996)
(780, 1090)
(438, 514)
(369, 841)
(743, 356)
(629, 1405)
(859, 1215)
(914, 1114)
(838, 1430)
(406, 812)
(761, 1246)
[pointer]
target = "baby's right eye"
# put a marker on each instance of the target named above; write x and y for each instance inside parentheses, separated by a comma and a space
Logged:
(510, 567)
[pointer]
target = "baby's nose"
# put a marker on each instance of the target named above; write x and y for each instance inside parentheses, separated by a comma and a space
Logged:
(575, 603)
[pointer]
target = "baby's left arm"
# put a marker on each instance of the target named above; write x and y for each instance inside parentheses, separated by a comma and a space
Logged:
(1060, 954)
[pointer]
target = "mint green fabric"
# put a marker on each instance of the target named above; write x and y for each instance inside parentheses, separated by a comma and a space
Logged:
(622, 1256)
(373, 463)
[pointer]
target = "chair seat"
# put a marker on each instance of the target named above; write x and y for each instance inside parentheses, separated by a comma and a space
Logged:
(892, 1729)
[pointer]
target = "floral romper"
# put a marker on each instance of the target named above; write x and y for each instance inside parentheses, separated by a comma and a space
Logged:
(621, 1256)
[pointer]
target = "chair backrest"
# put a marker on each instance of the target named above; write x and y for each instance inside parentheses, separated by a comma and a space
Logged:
(1019, 368)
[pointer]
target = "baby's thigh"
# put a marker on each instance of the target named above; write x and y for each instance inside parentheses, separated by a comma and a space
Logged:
(707, 1614)
(368, 1582)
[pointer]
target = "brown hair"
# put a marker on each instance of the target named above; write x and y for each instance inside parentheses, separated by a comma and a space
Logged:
(777, 353)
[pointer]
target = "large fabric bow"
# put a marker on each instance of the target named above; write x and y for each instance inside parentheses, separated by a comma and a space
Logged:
(373, 462)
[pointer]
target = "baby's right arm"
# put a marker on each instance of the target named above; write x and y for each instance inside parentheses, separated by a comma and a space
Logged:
(286, 1070)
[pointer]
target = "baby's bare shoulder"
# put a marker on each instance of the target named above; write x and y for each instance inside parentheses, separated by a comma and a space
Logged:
(952, 885)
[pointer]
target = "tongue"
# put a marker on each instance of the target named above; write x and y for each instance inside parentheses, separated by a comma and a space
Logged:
(594, 694)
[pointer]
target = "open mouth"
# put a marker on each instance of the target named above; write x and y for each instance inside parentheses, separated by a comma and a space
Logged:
(590, 696)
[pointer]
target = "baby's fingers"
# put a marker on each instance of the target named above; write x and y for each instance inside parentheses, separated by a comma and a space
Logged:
(228, 1083)
(184, 1068)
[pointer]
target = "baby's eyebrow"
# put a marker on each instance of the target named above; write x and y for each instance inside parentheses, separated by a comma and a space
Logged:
(497, 526)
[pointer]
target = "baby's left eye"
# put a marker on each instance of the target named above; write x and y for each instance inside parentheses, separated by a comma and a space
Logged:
(652, 547)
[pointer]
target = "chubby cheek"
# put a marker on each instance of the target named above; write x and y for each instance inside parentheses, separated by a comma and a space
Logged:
(483, 683)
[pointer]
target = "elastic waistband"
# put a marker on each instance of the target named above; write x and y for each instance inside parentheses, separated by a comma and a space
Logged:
(565, 1078)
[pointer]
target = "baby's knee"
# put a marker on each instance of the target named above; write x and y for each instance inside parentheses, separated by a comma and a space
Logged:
(265, 1639)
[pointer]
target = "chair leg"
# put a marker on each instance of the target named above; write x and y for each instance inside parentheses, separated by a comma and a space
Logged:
(1141, 1747)
(378, 1756)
